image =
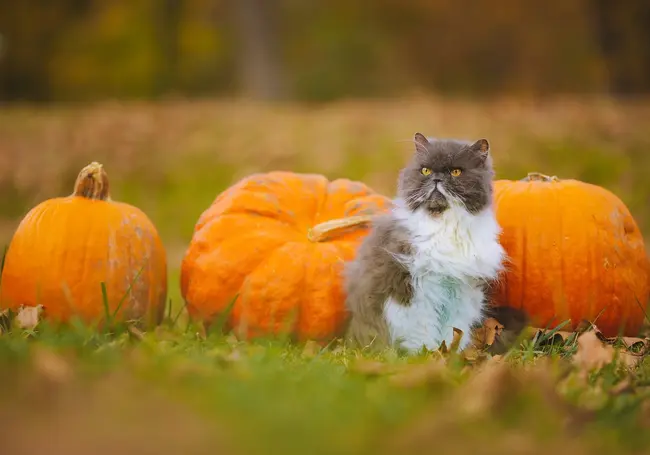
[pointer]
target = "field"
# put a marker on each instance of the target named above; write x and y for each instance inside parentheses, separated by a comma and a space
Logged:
(177, 390)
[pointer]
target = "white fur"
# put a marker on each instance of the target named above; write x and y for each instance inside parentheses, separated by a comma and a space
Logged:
(453, 254)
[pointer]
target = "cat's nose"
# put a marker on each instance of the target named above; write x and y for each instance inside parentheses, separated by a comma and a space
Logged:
(436, 181)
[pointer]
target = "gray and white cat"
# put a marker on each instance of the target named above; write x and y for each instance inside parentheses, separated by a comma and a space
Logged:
(422, 269)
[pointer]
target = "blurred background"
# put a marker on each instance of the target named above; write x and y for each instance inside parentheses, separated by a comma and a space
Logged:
(179, 99)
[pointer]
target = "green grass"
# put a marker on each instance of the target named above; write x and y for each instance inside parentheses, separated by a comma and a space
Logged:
(269, 396)
(173, 390)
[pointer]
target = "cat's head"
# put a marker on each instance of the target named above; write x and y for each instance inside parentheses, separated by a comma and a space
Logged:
(443, 173)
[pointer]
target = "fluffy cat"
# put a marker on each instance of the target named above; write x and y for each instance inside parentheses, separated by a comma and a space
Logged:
(422, 269)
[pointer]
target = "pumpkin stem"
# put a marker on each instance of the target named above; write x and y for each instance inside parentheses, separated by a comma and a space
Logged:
(539, 177)
(319, 232)
(92, 183)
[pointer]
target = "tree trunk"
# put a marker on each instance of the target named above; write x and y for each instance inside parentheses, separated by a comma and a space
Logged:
(257, 30)
(167, 27)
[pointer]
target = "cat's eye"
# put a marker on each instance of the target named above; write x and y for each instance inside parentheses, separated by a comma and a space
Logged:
(425, 171)
(456, 172)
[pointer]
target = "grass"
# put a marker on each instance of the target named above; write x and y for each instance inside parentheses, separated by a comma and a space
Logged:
(217, 394)
(177, 390)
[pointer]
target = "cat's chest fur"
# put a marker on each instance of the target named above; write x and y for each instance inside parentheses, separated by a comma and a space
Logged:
(452, 256)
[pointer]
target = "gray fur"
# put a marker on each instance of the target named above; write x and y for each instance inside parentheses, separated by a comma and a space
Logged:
(377, 273)
(473, 187)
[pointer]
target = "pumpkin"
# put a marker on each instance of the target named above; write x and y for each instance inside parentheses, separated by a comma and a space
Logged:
(266, 257)
(574, 252)
(66, 247)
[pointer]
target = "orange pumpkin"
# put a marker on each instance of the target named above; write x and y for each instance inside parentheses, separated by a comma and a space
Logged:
(274, 244)
(66, 247)
(575, 252)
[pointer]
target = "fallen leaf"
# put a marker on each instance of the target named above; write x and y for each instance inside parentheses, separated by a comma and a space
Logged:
(635, 343)
(473, 354)
(51, 365)
(417, 375)
(629, 359)
(28, 317)
(558, 337)
(311, 349)
(592, 352)
(488, 333)
(370, 367)
(623, 386)
(455, 342)
(486, 388)
(5, 321)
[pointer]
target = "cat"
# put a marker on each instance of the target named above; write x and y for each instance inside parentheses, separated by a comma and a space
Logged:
(422, 269)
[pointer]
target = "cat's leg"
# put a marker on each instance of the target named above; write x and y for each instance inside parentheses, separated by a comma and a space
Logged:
(376, 276)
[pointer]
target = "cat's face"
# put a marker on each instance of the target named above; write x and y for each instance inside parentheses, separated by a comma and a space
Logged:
(447, 172)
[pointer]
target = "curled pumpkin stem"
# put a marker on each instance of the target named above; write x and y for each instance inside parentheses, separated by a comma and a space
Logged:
(322, 230)
(539, 177)
(92, 183)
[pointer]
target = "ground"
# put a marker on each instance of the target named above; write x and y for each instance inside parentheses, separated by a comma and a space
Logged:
(177, 390)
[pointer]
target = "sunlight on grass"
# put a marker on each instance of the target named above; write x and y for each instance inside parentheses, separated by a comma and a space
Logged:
(183, 391)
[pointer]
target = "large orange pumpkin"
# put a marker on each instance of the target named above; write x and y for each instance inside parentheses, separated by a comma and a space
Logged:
(273, 245)
(575, 252)
(66, 247)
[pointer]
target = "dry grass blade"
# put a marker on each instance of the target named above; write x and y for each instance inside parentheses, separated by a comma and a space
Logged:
(135, 332)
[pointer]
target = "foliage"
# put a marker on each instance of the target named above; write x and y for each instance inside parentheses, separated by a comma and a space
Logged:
(125, 390)
(172, 159)
(322, 50)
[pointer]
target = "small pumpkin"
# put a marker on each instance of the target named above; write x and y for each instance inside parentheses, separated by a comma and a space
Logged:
(267, 255)
(66, 247)
(575, 252)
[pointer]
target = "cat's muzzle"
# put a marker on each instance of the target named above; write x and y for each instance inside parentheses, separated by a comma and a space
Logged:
(437, 203)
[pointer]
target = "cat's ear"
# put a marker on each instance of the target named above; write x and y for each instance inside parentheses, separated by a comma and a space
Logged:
(481, 148)
(421, 142)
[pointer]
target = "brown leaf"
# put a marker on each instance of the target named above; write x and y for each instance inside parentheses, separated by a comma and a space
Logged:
(592, 352)
(51, 365)
(28, 317)
(484, 390)
(473, 354)
(432, 371)
(311, 349)
(635, 343)
(622, 387)
(629, 359)
(488, 333)
(455, 342)
(557, 338)
(370, 367)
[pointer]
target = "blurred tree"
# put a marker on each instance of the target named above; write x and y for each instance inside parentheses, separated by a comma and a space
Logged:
(259, 52)
(622, 32)
(31, 30)
(320, 50)
(169, 18)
